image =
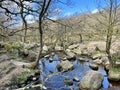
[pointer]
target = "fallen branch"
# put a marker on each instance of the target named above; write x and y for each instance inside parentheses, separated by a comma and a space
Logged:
(33, 86)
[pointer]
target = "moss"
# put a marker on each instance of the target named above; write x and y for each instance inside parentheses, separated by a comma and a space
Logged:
(13, 45)
(118, 58)
(14, 56)
(115, 70)
(20, 78)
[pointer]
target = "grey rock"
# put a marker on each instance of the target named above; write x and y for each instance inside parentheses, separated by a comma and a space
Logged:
(4, 57)
(98, 61)
(65, 65)
(75, 79)
(114, 76)
(32, 56)
(93, 66)
(91, 81)
(45, 48)
(68, 82)
(70, 53)
(58, 48)
(96, 56)
(73, 46)
(81, 59)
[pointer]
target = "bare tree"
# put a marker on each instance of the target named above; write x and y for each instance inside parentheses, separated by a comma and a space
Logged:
(44, 8)
(110, 15)
(24, 22)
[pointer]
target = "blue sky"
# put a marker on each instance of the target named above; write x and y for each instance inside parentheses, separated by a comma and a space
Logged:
(72, 7)
(78, 6)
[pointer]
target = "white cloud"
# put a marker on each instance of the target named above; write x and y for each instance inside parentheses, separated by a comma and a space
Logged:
(94, 11)
(54, 18)
(68, 14)
(30, 18)
(58, 10)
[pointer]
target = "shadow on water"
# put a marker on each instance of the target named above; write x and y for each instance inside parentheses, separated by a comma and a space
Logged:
(53, 79)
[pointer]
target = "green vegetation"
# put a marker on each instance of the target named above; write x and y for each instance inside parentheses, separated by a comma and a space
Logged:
(20, 78)
(10, 46)
(118, 58)
(115, 70)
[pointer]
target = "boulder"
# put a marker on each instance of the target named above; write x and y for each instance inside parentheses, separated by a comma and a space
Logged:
(69, 53)
(58, 48)
(96, 56)
(18, 63)
(32, 56)
(77, 51)
(81, 59)
(104, 60)
(114, 74)
(45, 48)
(73, 46)
(32, 46)
(75, 79)
(98, 61)
(68, 82)
(116, 46)
(91, 49)
(91, 81)
(4, 57)
(2, 45)
(93, 66)
(24, 52)
(65, 66)
(85, 52)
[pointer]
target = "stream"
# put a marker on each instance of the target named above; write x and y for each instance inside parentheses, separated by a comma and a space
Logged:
(53, 79)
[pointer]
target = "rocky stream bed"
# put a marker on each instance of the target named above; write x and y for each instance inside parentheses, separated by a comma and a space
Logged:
(69, 75)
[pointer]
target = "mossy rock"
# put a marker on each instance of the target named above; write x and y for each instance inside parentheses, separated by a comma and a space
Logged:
(114, 74)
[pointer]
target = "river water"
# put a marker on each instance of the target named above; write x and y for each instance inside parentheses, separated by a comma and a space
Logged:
(53, 79)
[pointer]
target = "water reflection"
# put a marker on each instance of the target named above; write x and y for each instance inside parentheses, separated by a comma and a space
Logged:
(55, 79)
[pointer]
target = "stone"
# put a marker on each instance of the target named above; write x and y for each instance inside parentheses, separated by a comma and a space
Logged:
(104, 60)
(81, 59)
(68, 82)
(32, 56)
(71, 88)
(73, 46)
(98, 56)
(58, 48)
(51, 59)
(91, 49)
(75, 79)
(70, 53)
(65, 65)
(4, 57)
(18, 63)
(67, 78)
(77, 51)
(24, 52)
(85, 52)
(2, 45)
(47, 56)
(93, 66)
(98, 61)
(107, 67)
(113, 75)
(91, 81)
(118, 63)
(45, 48)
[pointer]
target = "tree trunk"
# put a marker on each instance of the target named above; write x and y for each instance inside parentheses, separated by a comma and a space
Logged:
(41, 15)
(81, 40)
(41, 44)
(109, 35)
